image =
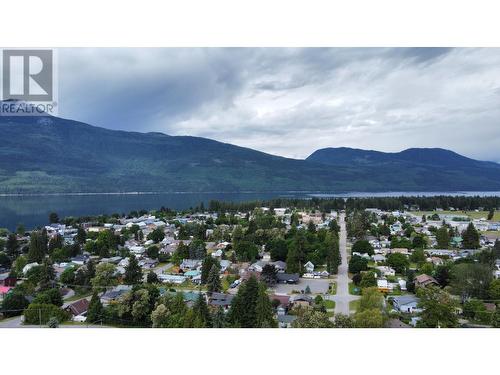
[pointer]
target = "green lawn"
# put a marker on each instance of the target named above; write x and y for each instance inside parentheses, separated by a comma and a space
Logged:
(333, 288)
(328, 304)
(354, 305)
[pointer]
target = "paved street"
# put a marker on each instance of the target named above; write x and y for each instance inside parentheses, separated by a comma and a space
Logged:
(342, 298)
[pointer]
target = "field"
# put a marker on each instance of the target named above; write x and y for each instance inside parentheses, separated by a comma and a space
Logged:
(470, 214)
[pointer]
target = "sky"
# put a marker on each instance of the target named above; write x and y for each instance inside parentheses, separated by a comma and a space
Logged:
(291, 102)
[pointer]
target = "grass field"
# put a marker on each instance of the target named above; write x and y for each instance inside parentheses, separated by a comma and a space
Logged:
(353, 305)
(470, 214)
(329, 304)
(352, 288)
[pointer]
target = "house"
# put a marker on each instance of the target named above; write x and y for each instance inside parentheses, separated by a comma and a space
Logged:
(285, 321)
(6, 280)
(406, 304)
(309, 266)
(115, 294)
(283, 299)
(172, 279)
(383, 285)
(396, 323)
(287, 278)
(424, 280)
(378, 258)
(402, 284)
(302, 300)
(190, 264)
(279, 265)
(220, 299)
(78, 307)
(257, 266)
(386, 271)
(224, 265)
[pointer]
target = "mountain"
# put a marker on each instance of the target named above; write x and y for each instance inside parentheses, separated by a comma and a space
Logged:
(55, 155)
(431, 168)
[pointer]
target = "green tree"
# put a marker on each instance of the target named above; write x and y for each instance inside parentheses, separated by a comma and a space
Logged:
(206, 267)
(50, 296)
(14, 303)
(219, 318)
(95, 312)
(470, 237)
(202, 315)
(398, 261)
(311, 318)
(418, 256)
(133, 272)
(243, 308)
(419, 242)
(368, 279)
(105, 276)
(442, 238)
(81, 235)
(37, 247)
(357, 264)
(494, 290)
(438, 308)
(68, 276)
(53, 218)
(278, 249)
(156, 235)
(269, 275)
(213, 280)
(471, 280)
(152, 278)
(343, 321)
(362, 247)
(12, 245)
(41, 313)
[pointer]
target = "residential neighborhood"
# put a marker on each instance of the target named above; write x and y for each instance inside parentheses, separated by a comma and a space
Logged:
(321, 264)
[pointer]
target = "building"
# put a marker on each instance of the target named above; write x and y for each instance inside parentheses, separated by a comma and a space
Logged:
(406, 304)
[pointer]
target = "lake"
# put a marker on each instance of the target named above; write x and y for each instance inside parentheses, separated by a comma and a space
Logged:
(33, 210)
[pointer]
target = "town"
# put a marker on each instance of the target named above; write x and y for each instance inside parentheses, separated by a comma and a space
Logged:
(318, 263)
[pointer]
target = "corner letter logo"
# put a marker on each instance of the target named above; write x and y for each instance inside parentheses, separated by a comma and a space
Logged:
(28, 75)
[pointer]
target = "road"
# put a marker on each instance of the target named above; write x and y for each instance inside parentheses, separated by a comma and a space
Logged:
(342, 298)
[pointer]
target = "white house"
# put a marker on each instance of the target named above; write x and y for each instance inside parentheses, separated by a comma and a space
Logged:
(386, 271)
(309, 267)
(406, 304)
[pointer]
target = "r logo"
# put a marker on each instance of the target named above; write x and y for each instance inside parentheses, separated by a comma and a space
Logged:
(28, 75)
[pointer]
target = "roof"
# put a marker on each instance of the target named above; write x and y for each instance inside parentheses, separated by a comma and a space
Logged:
(425, 279)
(79, 307)
(283, 298)
(406, 299)
(4, 289)
(396, 323)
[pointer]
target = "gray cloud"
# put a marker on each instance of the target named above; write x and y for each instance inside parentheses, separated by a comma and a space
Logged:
(291, 102)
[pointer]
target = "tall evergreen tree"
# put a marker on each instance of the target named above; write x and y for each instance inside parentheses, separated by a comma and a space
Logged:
(442, 238)
(95, 312)
(470, 237)
(37, 247)
(243, 308)
(202, 315)
(219, 318)
(264, 309)
(208, 262)
(213, 280)
(12, 245)
(133, 272)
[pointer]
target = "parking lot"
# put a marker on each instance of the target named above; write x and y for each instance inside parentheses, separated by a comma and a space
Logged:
(316, 286)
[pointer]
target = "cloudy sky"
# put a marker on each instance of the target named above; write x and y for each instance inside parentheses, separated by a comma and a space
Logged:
(291, 102)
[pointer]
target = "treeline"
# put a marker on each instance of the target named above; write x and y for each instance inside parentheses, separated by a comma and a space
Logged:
(424, 203)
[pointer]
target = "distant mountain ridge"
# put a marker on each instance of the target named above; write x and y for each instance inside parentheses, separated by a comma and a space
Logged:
(55, 155)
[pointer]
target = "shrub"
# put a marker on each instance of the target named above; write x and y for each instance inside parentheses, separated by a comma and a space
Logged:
(41, 313)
